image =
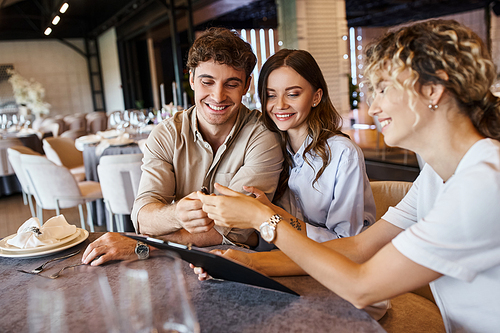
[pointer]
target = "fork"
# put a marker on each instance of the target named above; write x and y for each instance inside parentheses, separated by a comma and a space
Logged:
(42, 266)
(56, 275)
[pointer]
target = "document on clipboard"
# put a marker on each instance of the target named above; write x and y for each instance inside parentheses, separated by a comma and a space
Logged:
(216, 266)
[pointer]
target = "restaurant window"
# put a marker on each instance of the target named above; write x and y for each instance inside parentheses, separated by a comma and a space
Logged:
(264, 44)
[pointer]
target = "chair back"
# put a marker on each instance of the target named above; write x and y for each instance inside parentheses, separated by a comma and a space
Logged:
(60, 120)
(119, 176)
(75, 121)
(74, 134)
(48, 181)
(14, 153)
(62, 152)
(6, 168)
(47, 126)
(387, 194)
(53, 128)
(96, 121)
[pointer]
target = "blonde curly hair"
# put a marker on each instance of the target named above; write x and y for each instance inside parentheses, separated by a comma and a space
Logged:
(441, 45)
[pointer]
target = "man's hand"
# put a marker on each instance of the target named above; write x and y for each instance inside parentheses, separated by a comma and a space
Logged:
(110, 246)
(191, 216)
(235, 210)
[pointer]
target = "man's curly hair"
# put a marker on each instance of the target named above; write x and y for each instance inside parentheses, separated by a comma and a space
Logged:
(223, 46)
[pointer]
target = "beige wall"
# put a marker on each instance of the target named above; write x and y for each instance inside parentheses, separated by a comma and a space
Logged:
(61, 71)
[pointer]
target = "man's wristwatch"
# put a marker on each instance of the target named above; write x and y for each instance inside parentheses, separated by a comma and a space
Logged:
(142, 250)
(268, 228)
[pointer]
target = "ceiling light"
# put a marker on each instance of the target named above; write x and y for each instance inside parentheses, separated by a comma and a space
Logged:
(64, 7)
(56, 20)
(47, 31)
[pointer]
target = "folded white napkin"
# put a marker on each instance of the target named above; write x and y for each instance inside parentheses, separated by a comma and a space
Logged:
(122, 138)
(30, 234)
(108, 134)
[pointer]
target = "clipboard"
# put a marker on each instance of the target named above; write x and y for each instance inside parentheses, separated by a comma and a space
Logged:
(216, 266)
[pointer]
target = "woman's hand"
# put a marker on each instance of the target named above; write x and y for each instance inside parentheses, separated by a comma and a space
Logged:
(235, 255)
(235, 210)
(259, 195)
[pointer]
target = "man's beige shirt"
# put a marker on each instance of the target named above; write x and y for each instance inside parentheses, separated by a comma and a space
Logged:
(178, 161)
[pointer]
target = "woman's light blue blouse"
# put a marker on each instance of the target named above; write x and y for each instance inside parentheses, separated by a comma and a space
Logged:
(340, 203)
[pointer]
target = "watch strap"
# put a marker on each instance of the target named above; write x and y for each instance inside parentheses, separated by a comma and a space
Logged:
(274, 220)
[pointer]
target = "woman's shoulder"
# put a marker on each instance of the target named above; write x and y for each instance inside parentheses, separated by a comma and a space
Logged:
(483, 155)
(344, 145)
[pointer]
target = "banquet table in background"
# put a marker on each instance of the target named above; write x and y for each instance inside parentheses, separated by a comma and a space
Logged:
(221, 306)
(91, 161)
(9, 184)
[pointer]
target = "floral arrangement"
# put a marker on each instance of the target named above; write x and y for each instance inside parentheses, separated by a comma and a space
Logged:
(29, 93)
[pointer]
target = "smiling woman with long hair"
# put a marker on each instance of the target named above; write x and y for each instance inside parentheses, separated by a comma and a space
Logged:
(323, 169)
(432, 95)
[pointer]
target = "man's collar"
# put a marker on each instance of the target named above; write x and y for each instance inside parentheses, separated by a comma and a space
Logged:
(242, 112)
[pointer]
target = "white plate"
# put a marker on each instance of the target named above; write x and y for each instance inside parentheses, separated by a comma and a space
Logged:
(120, 142)
(83, 235)
(86, 140)
(89, 139)
(7, 247)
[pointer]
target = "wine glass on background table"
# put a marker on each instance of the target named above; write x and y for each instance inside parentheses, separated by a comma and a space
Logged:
(115, 119)
(137, 120)
(153, 297)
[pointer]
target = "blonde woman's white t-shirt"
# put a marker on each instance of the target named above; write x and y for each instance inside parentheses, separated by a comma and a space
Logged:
(454, 228)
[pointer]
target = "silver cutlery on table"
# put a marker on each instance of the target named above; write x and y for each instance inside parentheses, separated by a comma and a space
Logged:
(56, 275)
(42, 266)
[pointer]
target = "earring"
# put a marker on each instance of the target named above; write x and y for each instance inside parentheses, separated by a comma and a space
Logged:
(314, 105)
(433, 106)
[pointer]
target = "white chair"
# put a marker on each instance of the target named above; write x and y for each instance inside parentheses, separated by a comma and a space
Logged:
(119, 176)
(52, 128)
(48, 126)
(14, 153)
(54, 187)
(62, 152)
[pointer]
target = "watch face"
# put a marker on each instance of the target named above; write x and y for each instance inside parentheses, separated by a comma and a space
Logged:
(267, 232)
(142, 251)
